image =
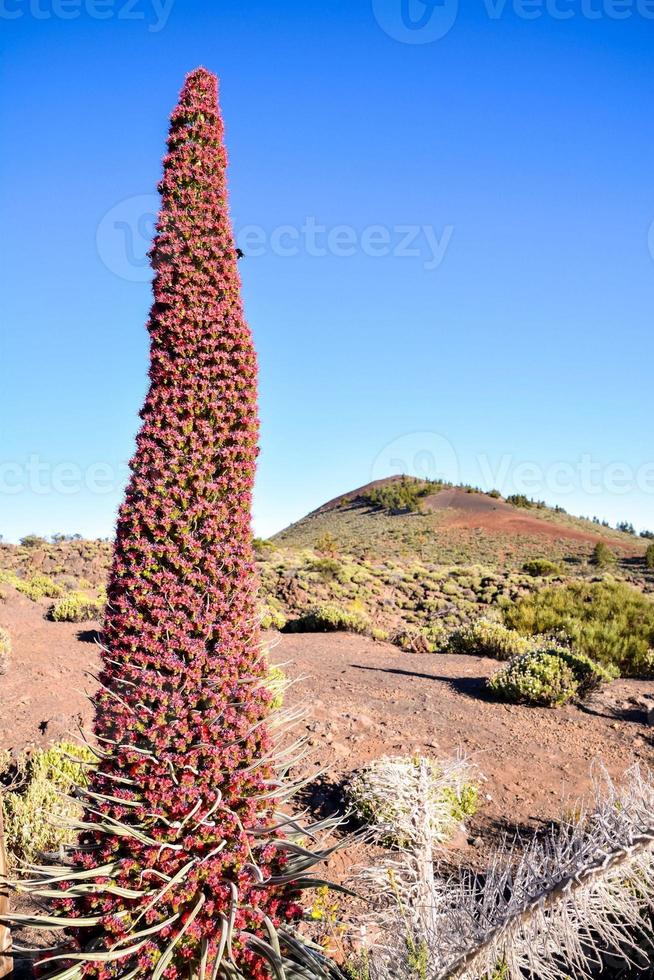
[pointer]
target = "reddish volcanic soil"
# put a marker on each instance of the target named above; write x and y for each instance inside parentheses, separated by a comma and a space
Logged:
(479, 511)
(367, 699)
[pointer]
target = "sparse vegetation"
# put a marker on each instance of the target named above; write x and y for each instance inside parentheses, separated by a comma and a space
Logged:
(541, 568)
(549, 676)
(77, 607)
(486, 638)
(329, 618)
(37, 809)
(414, 639)
(399, 497)
(520, 500)
(33, 541)
(327, 544)
(5, 649)
(608, 621)
(649, 556)
(381, 794)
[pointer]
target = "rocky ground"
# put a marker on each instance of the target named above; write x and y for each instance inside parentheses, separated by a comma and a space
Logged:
(365, 699)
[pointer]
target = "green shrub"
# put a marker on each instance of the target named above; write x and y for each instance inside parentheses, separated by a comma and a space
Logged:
(382, 794)
(40, 587)
(36, 811)
(5, 649)
(541, 568)
(649, 556)
(608, 621)
(276, 682)
(602, 555)
(520, 500)
(328, 618)
(327, 544)
(272, 615)
(77, 608)
(329, 568)
(398, 498)
(484, 638)
(33, 541)
(262, 546)
(549, 676)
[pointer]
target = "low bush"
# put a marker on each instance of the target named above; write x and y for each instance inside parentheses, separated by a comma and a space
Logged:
(327, 544)
(328, 568)
(329, 618)
(33, 541)
(610, 622)
(541, 568)
(382, 794)
(272, 615)
(485, 638)
(415, 639)
(40, 587)
(37, 809)
(5, 649)
(77, 608)
(549, 676)
(649, 556)
(602, 556)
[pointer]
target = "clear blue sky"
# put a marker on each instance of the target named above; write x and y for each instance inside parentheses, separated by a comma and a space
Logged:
(519, 334)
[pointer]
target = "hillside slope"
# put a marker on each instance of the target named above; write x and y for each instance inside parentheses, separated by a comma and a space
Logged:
(454, 525)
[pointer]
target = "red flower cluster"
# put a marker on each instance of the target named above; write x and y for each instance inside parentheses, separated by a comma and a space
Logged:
(179, 814)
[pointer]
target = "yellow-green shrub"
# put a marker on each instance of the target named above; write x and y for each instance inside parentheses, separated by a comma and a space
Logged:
(328, 618)
(549, 676)
(36, 587)
(77, 608)
(608, 621)
(272, 615)
(36, 812)
(485, 638)
(541, 567)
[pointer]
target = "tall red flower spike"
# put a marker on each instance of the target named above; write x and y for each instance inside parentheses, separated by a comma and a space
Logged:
(186, 869)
